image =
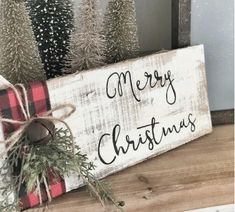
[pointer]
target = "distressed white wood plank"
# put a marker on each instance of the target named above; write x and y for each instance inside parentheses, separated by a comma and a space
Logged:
(179, 100)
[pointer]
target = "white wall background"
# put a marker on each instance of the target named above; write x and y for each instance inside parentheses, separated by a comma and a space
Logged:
(212, 25)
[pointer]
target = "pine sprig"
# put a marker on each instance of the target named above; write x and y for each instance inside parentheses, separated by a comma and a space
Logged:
(60, 156)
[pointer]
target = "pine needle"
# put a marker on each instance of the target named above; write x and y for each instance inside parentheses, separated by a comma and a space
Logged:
(59, 157)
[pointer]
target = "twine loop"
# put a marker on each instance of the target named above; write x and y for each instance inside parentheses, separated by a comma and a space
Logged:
(24, 106)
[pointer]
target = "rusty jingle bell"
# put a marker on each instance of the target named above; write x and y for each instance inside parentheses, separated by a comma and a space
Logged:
(40, 132)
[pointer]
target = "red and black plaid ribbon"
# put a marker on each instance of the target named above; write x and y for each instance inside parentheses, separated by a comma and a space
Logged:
(39, 103)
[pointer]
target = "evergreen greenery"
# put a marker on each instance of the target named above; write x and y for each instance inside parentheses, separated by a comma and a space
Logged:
(19, 57)
(29, 164)
(121, 30)
(52, 24)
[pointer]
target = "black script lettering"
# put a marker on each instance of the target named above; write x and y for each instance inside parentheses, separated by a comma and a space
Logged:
(170, 88)
(151, 135)
(117, 81)
(99, 151)
(192, 122)
(120, 77)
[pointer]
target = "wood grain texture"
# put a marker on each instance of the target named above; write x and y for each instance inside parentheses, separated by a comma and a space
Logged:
(181, 23)
(196, 175)
(113, 121)
(222, 117)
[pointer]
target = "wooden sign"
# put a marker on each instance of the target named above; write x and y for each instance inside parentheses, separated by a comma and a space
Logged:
(137, 109)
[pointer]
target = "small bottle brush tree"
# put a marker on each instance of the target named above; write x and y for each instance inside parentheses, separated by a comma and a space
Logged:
(87, 49)
(52, 24)
(121, 30)
(19, 57)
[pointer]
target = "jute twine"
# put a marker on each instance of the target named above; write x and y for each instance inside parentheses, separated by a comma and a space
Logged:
(15, 136)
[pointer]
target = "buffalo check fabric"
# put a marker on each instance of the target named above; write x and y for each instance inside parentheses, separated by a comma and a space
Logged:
(39, 103)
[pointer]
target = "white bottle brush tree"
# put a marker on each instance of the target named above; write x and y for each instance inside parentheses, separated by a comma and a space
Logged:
(88, 47)
(121, 30)
(19, 56)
